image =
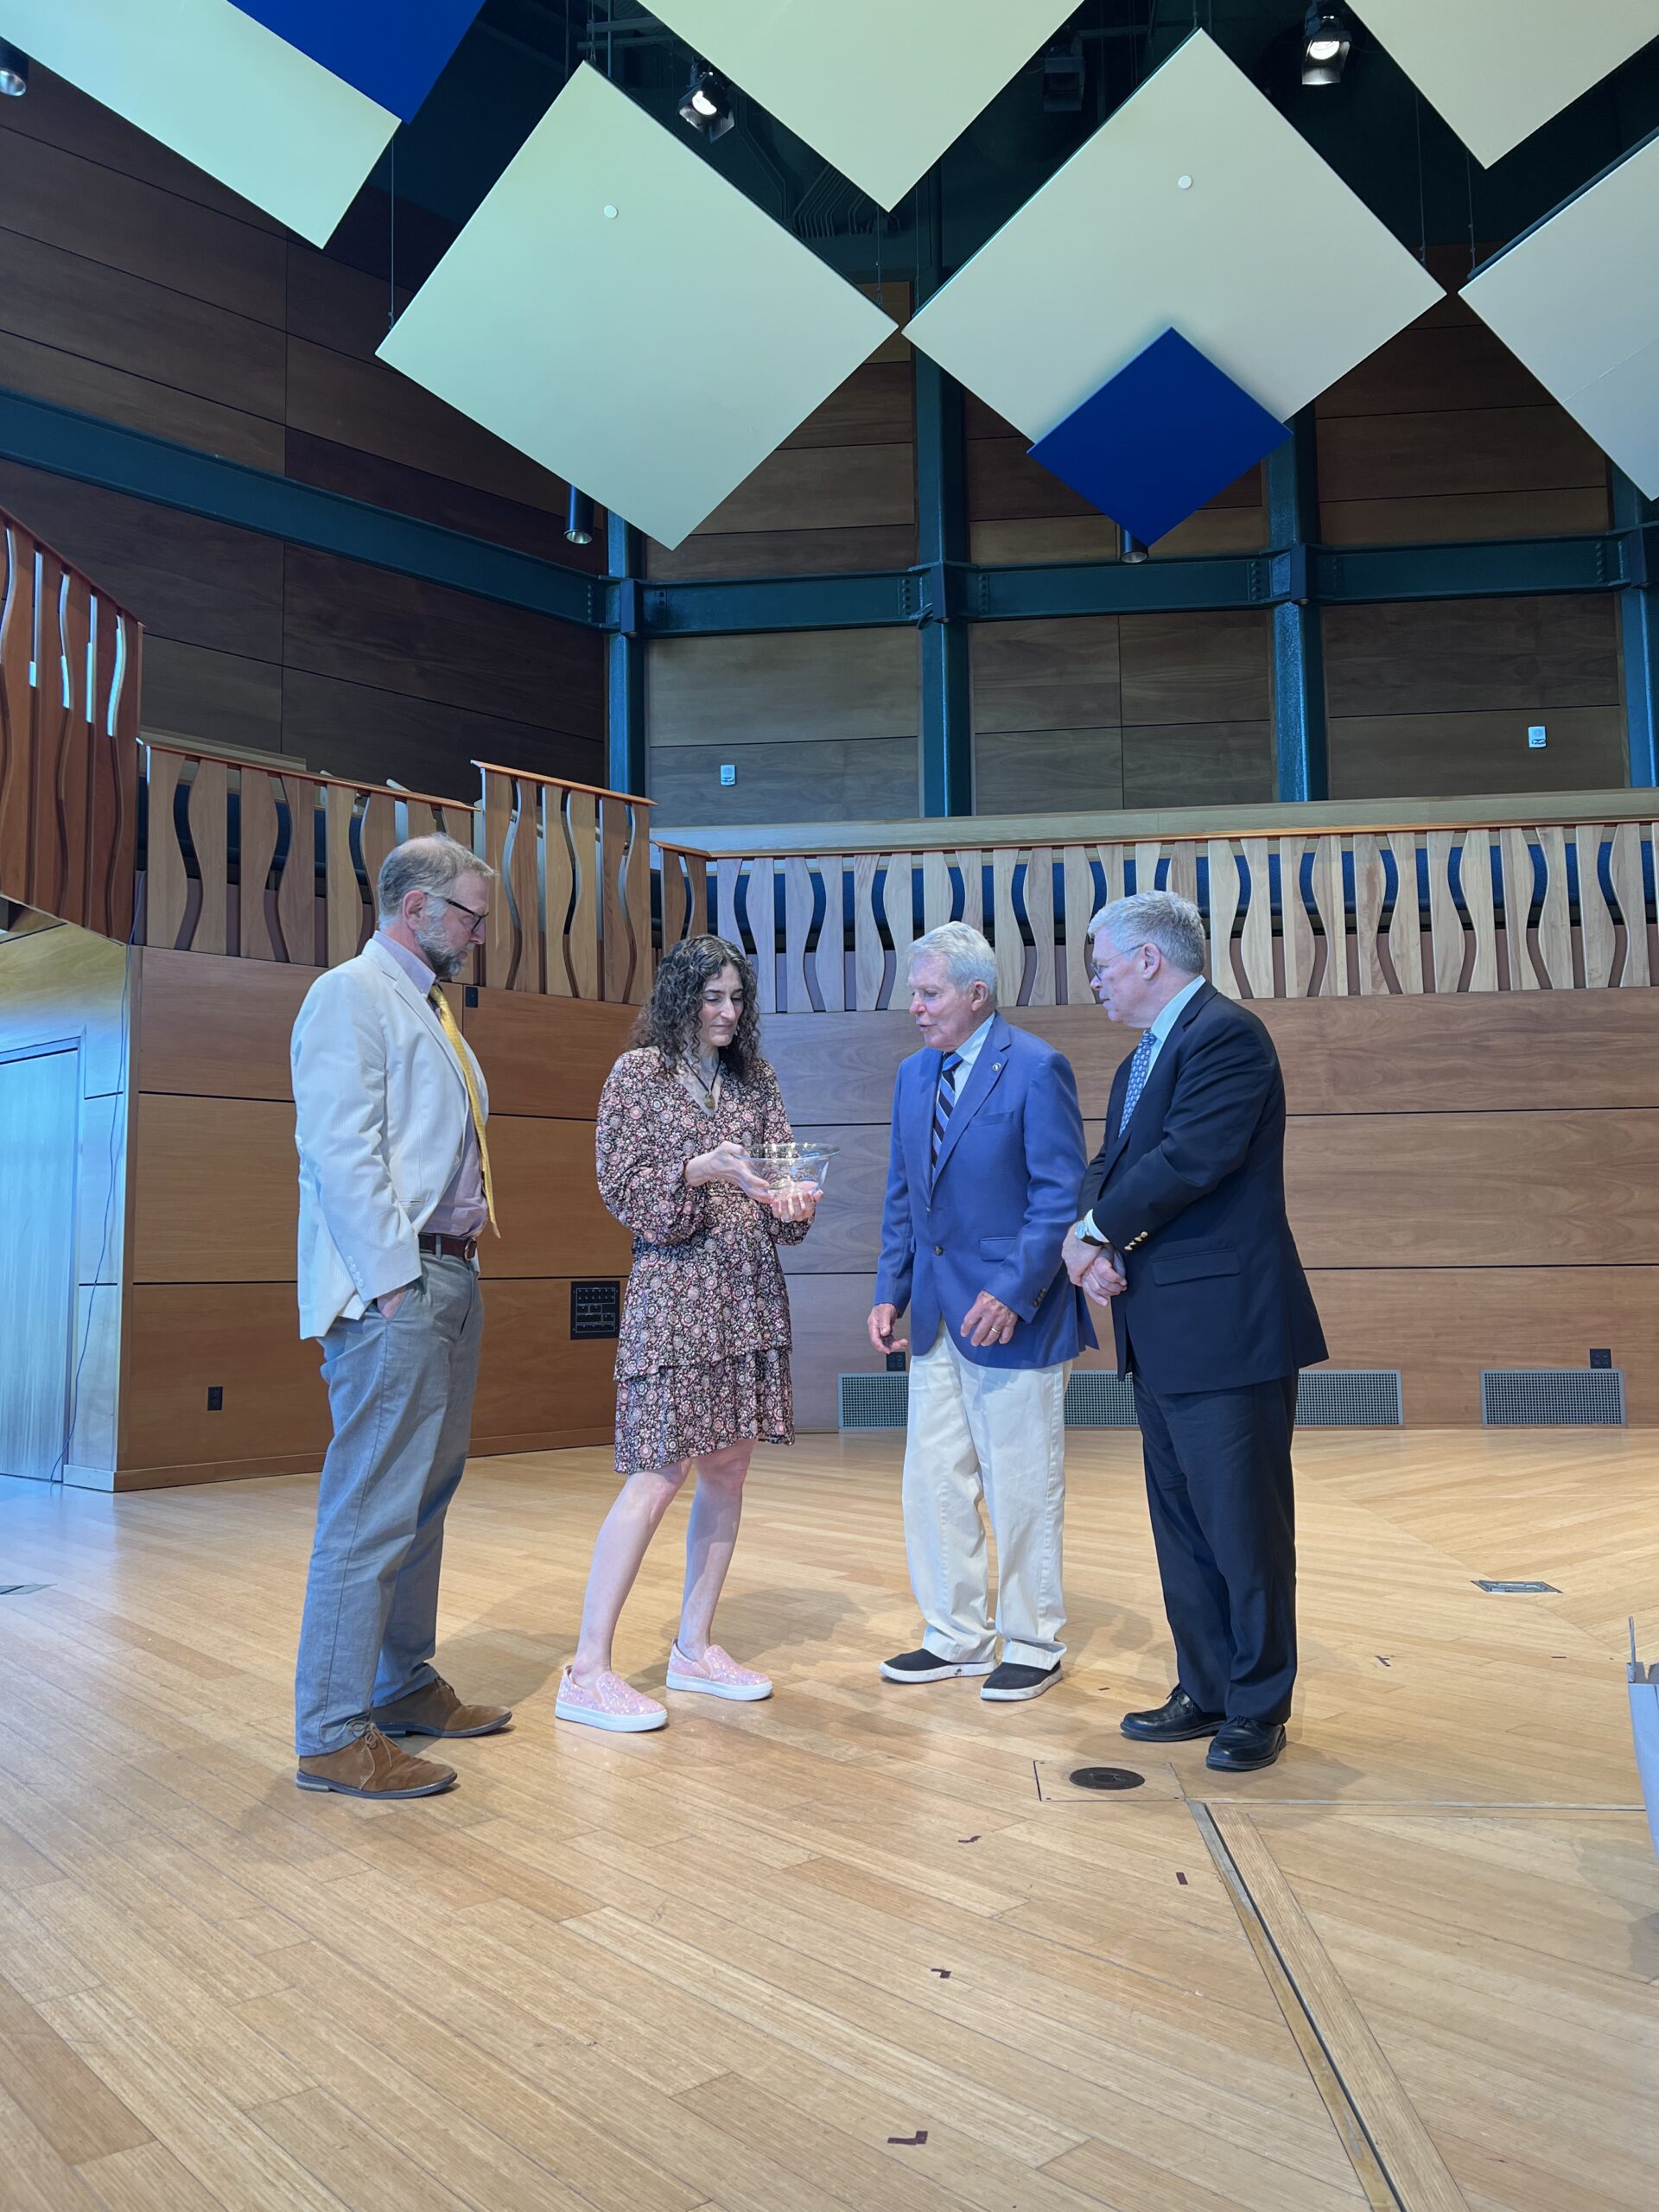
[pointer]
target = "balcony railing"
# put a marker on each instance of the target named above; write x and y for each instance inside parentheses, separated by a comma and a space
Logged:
(1339, 913)
(69, 661)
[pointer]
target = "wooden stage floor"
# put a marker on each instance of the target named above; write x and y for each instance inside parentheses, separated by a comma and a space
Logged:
(861, 1946)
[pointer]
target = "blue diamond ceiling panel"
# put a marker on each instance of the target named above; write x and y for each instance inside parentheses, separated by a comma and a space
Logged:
(1569, 299)
(1498, 69)
(1160, 438)
(619, 312)
(393, 51)
(879, 87)
(1195, 206)
(220, 89)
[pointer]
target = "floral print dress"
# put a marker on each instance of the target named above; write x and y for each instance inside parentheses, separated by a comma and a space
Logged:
(703, 1356)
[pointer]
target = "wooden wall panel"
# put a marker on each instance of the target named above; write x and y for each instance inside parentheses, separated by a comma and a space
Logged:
(399, 633)
(1107, 711)
(1442, 435)
(240, 1338)
(1441, 1327)
(545, 1056)
(1499, 1190)
(194, 692)
(211, 1028)
(1435, 698)
(216, 1191)
(869, 779)
(792, 685)
(340, 728)
(200, 582)
(820, 725)
(548, 1203)
(539, 1390)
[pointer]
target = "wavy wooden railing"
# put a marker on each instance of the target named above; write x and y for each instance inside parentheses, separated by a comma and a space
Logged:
(1555, 906)
(271, 864)
(69, 665)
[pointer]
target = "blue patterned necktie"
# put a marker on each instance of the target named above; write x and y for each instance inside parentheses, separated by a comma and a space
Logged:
(1140, 1066)
(945, 1102)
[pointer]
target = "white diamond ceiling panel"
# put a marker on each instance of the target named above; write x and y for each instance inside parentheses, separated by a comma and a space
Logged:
(1195, 206)
(879, 87)
(1498, 69)
(1567, 299)
(619, 312)
(220, 89)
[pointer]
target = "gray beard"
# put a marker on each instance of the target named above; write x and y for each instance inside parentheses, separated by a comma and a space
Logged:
(440, 955)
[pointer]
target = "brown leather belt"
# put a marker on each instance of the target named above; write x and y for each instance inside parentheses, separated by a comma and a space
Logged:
(449, 1248)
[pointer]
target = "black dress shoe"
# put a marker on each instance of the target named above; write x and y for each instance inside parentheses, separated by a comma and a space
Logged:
(1243, 1746)
(1177, 1721)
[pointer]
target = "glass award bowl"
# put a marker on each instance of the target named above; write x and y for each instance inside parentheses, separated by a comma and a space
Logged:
(785, 1167)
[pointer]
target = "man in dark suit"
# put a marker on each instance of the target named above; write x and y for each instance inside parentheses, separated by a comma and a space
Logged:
(1184, 1231)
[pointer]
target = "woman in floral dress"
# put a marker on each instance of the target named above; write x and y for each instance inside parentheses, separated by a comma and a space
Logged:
(702, 1366)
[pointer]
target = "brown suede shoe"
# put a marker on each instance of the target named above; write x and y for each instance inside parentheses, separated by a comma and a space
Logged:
(436, 1711)
(370, 1767)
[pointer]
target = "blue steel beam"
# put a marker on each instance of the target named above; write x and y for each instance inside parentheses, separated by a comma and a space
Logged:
(1639, 612)
(627, 754)
(1302, 761)
(92, 451)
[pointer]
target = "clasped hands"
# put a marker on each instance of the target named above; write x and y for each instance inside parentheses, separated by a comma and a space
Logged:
(726, 1164)
(1096, 1270)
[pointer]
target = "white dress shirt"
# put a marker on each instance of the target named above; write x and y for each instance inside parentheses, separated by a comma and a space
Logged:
(1158, 1029)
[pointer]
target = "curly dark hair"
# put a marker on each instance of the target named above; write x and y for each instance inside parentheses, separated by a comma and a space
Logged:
(669, 1019)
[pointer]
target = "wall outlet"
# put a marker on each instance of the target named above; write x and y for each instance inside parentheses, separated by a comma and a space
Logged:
(1601, 1358)
(1537, 737)
(728, 771)
(215, 1398)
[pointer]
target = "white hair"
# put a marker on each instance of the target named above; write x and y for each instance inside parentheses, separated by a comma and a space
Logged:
(429, 864)
(1162, 918)
(968, 957)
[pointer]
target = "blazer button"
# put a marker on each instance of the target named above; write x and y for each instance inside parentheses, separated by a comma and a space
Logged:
(938, 1251)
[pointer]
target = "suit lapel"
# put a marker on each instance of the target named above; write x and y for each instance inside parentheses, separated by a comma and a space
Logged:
(413, 998)
(1116, 1139)
(982, 1078)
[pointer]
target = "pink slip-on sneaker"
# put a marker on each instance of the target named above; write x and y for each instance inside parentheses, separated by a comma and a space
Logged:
(716, 1675)
(609, 1703)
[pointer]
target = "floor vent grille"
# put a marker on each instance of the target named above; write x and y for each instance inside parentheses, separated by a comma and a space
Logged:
(1350, 1397)
(1553, 1397)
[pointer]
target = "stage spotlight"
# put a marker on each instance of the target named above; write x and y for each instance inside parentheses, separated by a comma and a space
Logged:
(1326, 36)
(1129, 547)
(1062, 76)
(706, 103)
(14, 72)
(579, 518)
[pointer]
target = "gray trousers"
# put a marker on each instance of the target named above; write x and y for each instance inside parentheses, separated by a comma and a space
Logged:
(400, 1393)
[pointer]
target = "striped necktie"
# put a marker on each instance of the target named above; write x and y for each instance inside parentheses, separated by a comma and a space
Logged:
(945, 1102)
(1140, 1067)
(440, 1005)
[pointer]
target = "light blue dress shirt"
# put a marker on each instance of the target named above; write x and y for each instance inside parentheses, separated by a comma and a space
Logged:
(1162, 1022)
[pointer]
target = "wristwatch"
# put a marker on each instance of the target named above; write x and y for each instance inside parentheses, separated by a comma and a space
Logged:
(1084, 1235)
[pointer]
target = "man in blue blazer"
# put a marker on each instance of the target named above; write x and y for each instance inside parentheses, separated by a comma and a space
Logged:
(988, 1150)
(1184, 1230)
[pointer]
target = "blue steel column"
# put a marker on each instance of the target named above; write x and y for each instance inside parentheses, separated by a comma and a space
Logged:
(624, 664)
(947, 728)
(1301, 764)
(1639, 611)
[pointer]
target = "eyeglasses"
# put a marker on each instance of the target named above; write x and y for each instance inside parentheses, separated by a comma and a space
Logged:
(476, 920)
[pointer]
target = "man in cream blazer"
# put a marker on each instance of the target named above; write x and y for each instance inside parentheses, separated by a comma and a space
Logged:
(390, 1111)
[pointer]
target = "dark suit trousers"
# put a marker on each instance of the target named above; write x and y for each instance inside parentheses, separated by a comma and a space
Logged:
(1218, 1484)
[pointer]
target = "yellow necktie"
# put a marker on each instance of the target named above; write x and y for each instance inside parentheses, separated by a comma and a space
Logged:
(440, 1007)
